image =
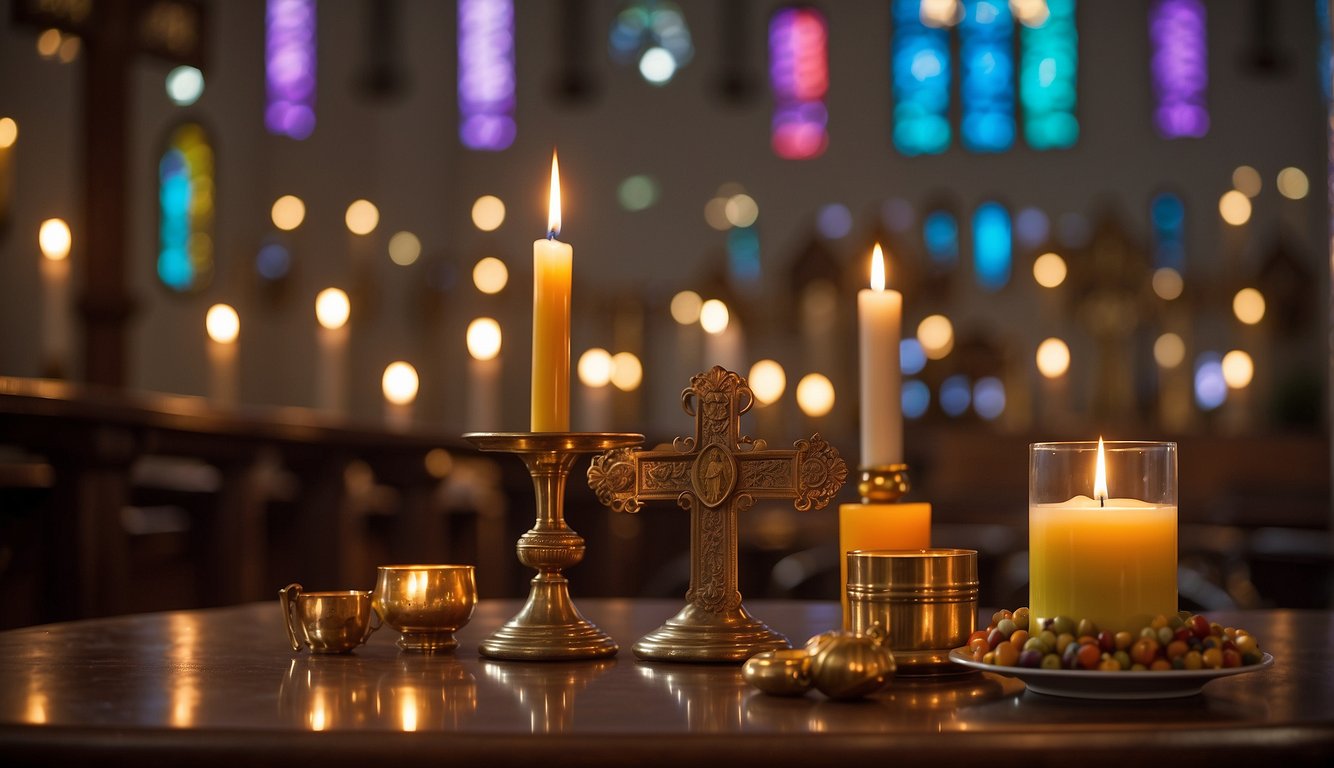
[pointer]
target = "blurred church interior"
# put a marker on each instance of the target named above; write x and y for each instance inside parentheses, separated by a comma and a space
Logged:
(263, 262)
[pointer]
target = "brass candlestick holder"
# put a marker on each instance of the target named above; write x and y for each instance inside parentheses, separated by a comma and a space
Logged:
(883, 484)
(549, 627)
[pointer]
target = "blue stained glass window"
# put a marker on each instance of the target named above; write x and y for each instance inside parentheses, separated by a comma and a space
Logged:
(743, 254)
(921, 76)
(992, 245)
(986, 72)
(1168, 215)
(1049, 61)
(185, 210)
(940, 231)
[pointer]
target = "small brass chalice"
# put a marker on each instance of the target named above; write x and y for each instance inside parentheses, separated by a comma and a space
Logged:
(328, 622)
(425, 603)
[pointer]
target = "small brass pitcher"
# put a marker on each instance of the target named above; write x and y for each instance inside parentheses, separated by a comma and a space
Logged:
(328, 622)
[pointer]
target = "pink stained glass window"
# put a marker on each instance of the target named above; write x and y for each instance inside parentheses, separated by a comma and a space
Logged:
(799, 79)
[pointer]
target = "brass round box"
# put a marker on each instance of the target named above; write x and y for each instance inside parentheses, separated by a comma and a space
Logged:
(925, 601)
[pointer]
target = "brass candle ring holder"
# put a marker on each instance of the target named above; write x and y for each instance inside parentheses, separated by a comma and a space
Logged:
(549, 626)
(883, 484)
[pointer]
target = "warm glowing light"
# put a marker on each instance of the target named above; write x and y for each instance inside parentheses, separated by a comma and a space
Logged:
(941, 13)
(1249, 306)
(1100, 475)
(1234, 207)
(768, 381)
(362, 217)
(9, 132)
(488, 213)
(686, 307)
(1053, 358)
(715, 214)
(404, 248)
(54, 239)
(1049, 270)
(399, 383)
(1167, 283)
(490, 275)
(741, 210)
(815, 395)
(1293, 184)
(288, 212)
(877, 268)
(1238, 369)
(936, 335)
(657, 66)
(484, 338)
(1030, 13)
(438, 463)
(407, 709)
(1169, 350)
(713, 316)
(332, 308)
(222, 323)
(185, 84)
(595, 367)
(553, 202)
(1247, 180)
(48, 43)
(626, 371)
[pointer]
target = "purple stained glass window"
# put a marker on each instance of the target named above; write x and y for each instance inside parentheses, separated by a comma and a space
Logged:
(799, 78)
(486, 74)
(289, 67)
(1179, 67)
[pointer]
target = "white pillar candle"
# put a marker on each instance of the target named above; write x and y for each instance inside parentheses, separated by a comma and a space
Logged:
(879, 316)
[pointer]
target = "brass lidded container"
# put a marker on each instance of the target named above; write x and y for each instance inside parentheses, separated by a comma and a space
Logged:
(925, 601)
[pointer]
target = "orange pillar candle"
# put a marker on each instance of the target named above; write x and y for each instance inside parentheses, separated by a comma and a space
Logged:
(552, 267)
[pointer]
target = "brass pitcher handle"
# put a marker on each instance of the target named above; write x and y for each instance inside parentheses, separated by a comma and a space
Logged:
(287, 596)
(375, 623)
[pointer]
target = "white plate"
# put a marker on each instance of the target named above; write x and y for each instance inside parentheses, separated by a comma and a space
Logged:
(1092, 684)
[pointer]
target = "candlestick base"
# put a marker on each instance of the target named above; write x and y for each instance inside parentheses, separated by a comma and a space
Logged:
(549, 627)
(883, 484)
(698, 635)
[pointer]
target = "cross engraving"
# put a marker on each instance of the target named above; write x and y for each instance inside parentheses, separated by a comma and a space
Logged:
(716, 474)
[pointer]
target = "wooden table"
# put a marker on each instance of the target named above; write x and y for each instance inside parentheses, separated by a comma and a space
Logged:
(220, 687)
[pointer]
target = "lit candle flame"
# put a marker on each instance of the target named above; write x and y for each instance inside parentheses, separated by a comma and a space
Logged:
(553, 209)
(877, 269)
(1100, 477)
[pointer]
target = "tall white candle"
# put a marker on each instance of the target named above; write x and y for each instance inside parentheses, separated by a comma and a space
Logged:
(332, 310)
(54, 239)
(879, 317)
(223, 326)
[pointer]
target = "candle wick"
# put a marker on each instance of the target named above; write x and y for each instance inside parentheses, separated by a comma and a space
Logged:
(1102, 501)
(551, 234)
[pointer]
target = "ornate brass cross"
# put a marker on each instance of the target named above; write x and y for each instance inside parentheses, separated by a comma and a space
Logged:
(715, 474)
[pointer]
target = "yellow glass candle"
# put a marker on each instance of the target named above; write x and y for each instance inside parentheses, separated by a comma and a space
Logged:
(878, 526)
(552, 267)
(1109, 559)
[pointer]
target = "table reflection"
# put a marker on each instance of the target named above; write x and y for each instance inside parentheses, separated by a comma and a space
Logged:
(545, 689)
(427, 692)
(711, 697)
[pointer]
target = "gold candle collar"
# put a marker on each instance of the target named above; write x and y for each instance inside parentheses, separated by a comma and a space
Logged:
(883, 484)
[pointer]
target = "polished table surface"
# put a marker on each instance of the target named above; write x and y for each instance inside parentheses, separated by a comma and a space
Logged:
(221, 686)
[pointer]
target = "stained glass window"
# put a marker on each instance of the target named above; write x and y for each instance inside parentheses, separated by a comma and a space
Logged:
(185, 206)
(920, 61)
(1049, 59)
(1167, 214)
(486, 74)
(799, 78)
(289, 67)
(1179, 67)
(986, 72)
(992, 245)
(940, 233)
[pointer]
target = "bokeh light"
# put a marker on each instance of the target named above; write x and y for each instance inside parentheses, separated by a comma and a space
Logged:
(69, 48)
(1238, 369)
(288, 212)
(1249, 306)
(898, 215)
(916, 398)
(595, 367)
(54, 239)
(1210, 386)
(399, 383)
(713, 316)
(715, 214)
(940, 13)
(222, 323)
(657, 66)
(626, 371)
(332, 308)
(1293, 184)
(273, 260)
(989, 397)
(483, 338)
(490, 275)
(834, 221)
(1030, 13)
(48, 43)
(637, 193)
(362, 217)
(912, 358)
(1031, 227)
(741, 210)
(1246, 180)
(1053, 358)
(1234, 207)
(1049, 270)
(404, 248)
(815, 395)
(185, 84)
(686, 307)
(1169, 350)
(936, 335)
(488, 213)
(955, 395)
(768, 381)
(1167, 283)
(9, 132)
